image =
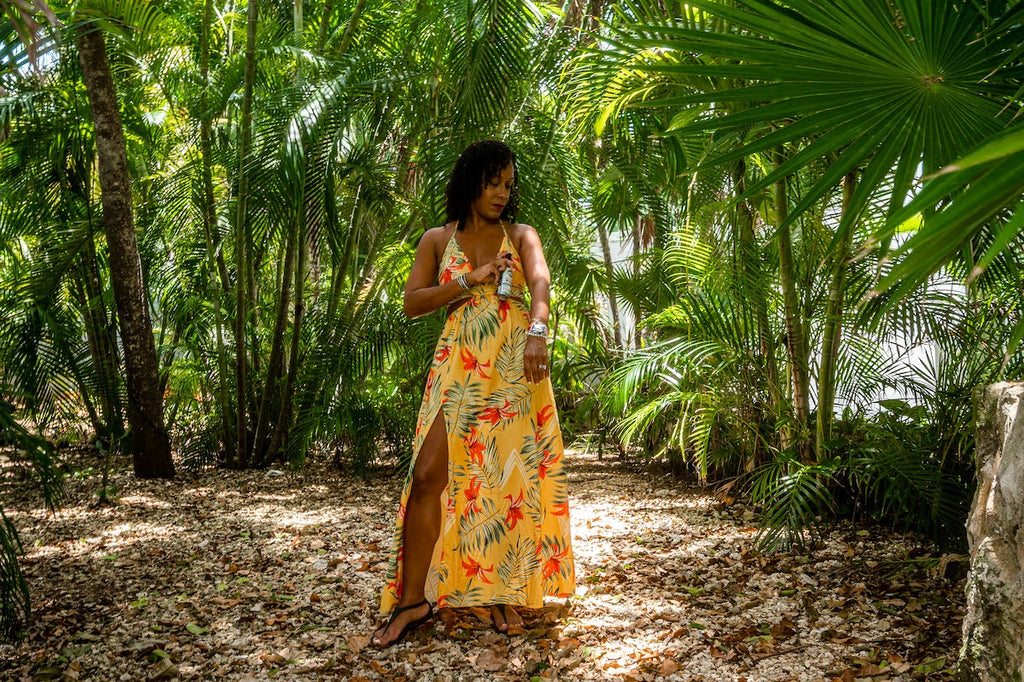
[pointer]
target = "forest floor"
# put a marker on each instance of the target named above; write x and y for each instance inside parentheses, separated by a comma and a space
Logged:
(256, 575)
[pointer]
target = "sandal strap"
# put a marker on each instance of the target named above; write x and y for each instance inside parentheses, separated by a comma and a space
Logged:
(394, 614)
(407, 608)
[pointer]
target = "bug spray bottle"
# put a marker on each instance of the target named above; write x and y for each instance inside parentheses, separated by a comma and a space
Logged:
(505, 283)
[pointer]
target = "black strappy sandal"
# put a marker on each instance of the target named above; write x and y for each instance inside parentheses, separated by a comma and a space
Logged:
(411, 625)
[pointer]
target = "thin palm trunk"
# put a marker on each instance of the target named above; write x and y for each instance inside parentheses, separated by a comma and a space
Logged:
(350, 30)
(150, 445)
(325, 23)
(244, 285)
(298, 30)
(609, 269)
(266, 422)
(795, 342)
(270, 427)
(286, 411)
(217, 273)
(833, 328)
(754, 297)
(638, 224)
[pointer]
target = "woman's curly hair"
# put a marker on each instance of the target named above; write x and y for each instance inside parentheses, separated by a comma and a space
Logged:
(480, 162)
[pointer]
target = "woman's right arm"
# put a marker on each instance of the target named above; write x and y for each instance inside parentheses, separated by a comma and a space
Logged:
(422, 293)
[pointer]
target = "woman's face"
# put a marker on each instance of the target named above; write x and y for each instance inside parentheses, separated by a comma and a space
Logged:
(495, 195)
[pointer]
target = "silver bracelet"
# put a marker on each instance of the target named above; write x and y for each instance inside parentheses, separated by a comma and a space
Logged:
(537, 329)
(461, 279)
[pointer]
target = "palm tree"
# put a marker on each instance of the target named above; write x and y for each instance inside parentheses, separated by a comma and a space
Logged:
(834, 108)
(150, 444)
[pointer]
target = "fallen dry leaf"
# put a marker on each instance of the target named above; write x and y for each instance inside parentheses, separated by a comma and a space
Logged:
(357, 642)
(488, 661)
(668, 667)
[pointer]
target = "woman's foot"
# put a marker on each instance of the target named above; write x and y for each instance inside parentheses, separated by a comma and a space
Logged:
(505, 618)
(403, 619)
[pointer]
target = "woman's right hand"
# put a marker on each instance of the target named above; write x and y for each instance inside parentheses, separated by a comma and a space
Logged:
(491, 270)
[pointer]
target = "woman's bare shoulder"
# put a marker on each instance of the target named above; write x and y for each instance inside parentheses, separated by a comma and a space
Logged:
(436, 238)
(520, 233)
(435, 234)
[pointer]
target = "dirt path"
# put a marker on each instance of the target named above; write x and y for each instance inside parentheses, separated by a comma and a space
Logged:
(264, 575)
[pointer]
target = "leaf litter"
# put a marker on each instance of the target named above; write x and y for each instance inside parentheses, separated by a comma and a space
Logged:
(254, 575)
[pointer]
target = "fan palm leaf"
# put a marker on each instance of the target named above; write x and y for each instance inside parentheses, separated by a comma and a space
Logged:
(879, 87)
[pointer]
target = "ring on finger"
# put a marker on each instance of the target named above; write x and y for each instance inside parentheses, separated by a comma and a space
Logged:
(542, 366)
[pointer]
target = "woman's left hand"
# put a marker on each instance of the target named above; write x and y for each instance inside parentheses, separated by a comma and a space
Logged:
(535, 359)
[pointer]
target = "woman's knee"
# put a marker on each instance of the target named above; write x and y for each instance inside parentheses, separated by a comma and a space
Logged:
(429, 480)
(430, 475)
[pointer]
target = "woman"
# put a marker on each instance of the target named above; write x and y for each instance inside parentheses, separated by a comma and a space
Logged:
(484, 516)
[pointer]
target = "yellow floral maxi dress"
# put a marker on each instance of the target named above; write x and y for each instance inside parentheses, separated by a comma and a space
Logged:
(505, 534)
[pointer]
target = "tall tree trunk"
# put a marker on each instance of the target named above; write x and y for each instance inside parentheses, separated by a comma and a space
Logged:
(833, 327)
(286, 411)
(150, 446)
(218, 275)
(795, 343)
(243, 280)
(609, 269)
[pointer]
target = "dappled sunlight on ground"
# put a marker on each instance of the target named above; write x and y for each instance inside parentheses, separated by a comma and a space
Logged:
(257, 575)
(146, 501)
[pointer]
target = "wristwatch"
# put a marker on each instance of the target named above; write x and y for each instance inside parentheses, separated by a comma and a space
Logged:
(537, 328)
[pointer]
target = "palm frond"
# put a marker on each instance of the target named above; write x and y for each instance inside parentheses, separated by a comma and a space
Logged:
(15, 602)
(796, 497)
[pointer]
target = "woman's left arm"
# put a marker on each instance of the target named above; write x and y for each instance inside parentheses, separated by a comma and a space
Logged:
(538, 279)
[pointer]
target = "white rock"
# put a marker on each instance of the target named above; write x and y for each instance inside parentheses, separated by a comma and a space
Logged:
(994, 622)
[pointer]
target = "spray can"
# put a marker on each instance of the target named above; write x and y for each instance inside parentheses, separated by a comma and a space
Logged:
(505, 283)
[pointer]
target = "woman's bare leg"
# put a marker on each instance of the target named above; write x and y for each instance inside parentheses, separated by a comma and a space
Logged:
(422, 526)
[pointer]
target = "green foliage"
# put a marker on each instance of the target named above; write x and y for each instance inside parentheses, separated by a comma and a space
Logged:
(984, 188)
(882, 87)
(34, 451)
(796, 498)
(900, 473)
(342, 197)
(15, 602)
(757, 93)
(662, 129)
(14, 597)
